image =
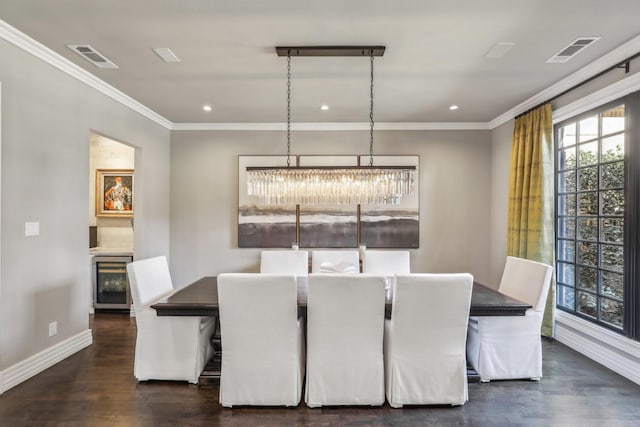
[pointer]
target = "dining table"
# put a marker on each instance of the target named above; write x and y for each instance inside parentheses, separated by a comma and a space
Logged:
(200, 298)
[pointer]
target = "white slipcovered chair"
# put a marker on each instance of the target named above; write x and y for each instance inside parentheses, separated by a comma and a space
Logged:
(262, 340)
(167, 347)
(335, 262)
(345, 326)
(388, 263)
(285, 262)
(510, 347)
(425, 340)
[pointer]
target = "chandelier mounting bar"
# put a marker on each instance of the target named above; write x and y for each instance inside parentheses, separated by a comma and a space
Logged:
(330, 50)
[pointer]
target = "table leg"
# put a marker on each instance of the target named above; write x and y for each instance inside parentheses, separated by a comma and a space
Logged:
(211, 372)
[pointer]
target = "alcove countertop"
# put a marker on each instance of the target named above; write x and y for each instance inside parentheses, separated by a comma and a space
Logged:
(100, 251)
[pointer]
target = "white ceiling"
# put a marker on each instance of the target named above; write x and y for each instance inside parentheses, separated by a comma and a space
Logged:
(435, 53)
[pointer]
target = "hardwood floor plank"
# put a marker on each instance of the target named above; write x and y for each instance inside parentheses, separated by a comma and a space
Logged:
(96, 387)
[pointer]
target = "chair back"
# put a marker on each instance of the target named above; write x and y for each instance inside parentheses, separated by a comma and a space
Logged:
(527, 281)
(257, 310)
(388, 263)
(345, 328)
(150, 281)
(425, 339)
(262, 347)
(335, 262)
(431, 311)
(285, 262)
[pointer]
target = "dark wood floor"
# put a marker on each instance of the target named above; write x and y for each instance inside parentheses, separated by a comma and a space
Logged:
(95, 387)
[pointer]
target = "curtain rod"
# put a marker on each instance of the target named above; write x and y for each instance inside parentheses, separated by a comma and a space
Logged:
(623, 64)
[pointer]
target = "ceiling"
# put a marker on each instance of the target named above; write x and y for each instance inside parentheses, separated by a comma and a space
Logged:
(435, 53)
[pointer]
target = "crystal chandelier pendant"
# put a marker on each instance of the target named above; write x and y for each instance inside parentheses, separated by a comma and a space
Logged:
(364, 185)
(316, 185)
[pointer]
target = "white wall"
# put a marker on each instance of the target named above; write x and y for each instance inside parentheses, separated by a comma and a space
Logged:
(47, 119)
(455, 199)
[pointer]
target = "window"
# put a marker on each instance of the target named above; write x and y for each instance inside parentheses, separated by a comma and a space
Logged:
(596, 216)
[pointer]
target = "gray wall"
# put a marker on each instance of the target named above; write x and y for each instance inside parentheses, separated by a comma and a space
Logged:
(47, 117)
(501, 139)
(455, 199)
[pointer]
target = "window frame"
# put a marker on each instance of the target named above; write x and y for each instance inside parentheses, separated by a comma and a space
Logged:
(631, 260)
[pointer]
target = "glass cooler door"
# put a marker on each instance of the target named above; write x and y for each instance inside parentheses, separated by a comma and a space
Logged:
(111, 282)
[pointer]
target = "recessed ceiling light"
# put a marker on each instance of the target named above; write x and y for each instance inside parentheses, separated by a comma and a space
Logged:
(324, 107)
(453, 107)
(207, 107)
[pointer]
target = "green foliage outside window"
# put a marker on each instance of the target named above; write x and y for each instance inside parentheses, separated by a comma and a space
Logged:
(590, 217)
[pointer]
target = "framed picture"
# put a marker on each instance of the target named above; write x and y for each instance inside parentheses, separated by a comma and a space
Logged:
(327, 226)
(114, 193)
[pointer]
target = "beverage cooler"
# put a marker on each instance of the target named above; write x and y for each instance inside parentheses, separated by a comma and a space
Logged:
(111, 284)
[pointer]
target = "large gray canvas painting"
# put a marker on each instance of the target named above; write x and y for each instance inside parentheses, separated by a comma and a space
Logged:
(327, 226)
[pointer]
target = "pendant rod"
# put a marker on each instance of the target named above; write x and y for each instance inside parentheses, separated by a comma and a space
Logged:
(289, 109)
(371, 115)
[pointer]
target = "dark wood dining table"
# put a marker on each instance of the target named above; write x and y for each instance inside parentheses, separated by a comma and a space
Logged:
(200, 298)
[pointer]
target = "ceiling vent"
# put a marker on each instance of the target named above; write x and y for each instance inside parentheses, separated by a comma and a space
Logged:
(577, 46)
(92, 55)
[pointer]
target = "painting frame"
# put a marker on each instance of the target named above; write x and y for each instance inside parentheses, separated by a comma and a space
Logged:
(114, 193)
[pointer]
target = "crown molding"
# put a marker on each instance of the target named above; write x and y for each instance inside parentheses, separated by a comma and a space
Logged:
(608, 60)
(432, 126)
(23, 41)
(613, 91)
(230, 126)
(328, 126)
(35, 48)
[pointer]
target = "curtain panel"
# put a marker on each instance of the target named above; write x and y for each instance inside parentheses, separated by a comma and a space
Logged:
(530, 218)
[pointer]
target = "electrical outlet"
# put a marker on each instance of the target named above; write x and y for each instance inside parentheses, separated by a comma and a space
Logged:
(53, 328)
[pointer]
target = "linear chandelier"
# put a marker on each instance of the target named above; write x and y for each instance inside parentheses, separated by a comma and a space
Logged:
(298, 185)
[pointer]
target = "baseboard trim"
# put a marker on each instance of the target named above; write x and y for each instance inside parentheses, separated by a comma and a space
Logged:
(22, 371)
(614, 351)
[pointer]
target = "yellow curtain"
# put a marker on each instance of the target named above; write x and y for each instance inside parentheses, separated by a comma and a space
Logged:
(530, 218)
